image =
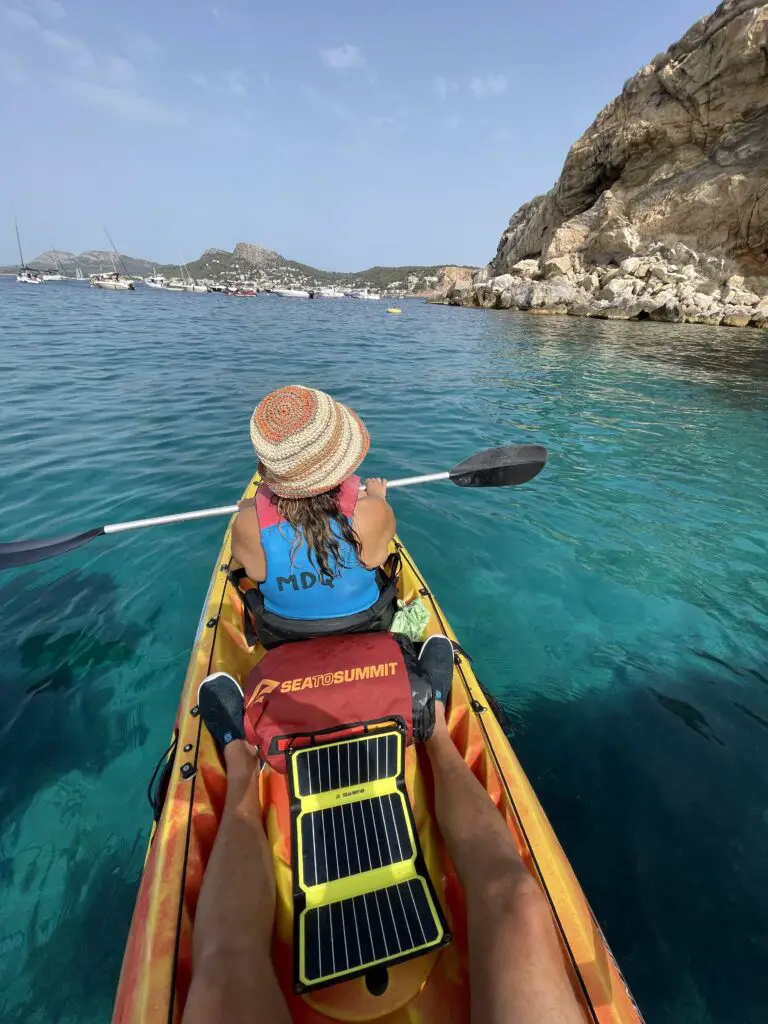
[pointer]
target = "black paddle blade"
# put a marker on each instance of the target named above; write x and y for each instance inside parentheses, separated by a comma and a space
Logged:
(25, 552)
(501, 467)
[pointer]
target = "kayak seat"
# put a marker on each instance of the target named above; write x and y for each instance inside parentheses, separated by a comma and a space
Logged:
(261, 626)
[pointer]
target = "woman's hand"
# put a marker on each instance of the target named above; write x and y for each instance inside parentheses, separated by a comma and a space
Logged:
(376, 487)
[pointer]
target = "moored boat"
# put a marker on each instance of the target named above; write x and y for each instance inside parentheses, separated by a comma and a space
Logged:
(114, 282)
(292, 293)
(431, 985)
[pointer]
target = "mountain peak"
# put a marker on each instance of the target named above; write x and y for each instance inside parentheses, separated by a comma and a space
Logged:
(255, 254)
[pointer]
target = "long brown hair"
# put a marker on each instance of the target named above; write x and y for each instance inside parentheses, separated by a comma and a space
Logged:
(311, 518)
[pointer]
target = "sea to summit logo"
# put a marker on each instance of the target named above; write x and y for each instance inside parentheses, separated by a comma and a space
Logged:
(347, 675)
(266, 686)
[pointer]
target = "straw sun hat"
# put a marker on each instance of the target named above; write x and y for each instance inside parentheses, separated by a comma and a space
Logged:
(308, 442)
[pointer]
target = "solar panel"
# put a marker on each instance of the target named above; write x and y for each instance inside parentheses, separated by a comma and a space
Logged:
(362, 897)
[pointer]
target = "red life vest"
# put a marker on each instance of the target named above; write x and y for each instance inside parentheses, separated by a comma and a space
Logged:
(302, 689)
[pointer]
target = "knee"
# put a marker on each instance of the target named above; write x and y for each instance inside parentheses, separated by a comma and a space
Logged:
(516, 896)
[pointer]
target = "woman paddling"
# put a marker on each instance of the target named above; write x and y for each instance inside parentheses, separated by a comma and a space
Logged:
(310, 539)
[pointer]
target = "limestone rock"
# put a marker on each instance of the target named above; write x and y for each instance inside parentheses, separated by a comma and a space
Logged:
(759, 320)
(561, 310)
(739, 297)
(552, 266)
(737, 318)
(590, 283)
(451, 278)
(525, 268)
(618, 288)
(554, 292)
(670, 312)
(681, 153)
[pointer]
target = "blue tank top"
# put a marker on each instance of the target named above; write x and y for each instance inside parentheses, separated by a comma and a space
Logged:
(295, 588)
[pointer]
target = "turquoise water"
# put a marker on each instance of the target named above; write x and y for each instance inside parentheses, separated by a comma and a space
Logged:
(618, 605)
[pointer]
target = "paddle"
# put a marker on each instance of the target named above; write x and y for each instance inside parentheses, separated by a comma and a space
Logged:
(497, 467)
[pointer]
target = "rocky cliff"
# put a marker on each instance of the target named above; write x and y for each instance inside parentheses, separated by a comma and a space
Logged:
(661, 209)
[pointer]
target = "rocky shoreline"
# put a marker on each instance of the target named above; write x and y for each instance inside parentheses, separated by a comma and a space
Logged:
(671, 284)
(661, 209)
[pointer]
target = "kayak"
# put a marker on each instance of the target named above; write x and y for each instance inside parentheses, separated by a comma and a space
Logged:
(188, 800)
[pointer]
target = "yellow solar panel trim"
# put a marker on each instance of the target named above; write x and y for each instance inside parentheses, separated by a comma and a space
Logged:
(361, 897)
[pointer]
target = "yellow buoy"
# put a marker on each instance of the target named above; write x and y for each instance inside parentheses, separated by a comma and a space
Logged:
(394, 309)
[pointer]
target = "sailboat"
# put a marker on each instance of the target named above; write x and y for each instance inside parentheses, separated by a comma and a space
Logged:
(26, 275)
(115, 282)
(188, 283)
(57, 272)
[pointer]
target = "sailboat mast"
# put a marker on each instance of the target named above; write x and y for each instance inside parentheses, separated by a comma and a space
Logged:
(122, 264)
(18, 241)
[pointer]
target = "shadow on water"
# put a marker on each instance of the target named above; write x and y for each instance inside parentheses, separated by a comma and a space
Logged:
(64, 645)
(98, 900)
(676, 874)
(61, 637)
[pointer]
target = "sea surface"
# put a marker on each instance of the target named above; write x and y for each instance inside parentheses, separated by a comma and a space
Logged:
(617, 605)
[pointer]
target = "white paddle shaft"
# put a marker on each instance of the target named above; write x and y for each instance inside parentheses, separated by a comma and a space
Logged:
(228, 510)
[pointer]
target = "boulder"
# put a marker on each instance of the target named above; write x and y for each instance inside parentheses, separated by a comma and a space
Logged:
(737, 318)
(589, 283)
(556, 291)
(614, 313)
(739, 297)
(561, 310)
(618, 288)
(552, 266)
(670, 312)
(759, 320)
(525, 268)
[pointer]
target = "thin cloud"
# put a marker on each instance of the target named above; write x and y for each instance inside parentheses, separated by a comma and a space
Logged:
(200, 81)
(341, 58)
(236, 83)
(483, 86)
(20, 19)
(72, 49)
(143, 47)
(452, 123)
(217, 12)
(443, 88)
(121, 103)
(119, 71)
(12, 70)
(51, 10)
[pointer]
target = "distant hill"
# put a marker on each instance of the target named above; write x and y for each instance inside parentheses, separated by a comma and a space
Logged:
(247, 262)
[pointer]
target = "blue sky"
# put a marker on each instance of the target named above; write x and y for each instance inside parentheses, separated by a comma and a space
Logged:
(341, 134)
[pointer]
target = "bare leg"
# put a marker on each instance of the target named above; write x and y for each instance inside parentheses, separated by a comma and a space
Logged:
(517, 974)
(233, 980)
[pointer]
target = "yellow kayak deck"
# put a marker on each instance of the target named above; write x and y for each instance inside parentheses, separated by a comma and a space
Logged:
(156, 968)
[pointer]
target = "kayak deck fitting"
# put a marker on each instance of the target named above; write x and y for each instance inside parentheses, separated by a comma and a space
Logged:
(421, 981)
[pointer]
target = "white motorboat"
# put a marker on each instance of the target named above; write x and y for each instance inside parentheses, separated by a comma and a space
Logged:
(28, 276)
(52, 275)
(329, 293)
(112, 282)
(365, 293)
(291, 293)
(155, 281)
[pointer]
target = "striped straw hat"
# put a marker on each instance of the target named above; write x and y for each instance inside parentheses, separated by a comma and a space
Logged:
(308, 442)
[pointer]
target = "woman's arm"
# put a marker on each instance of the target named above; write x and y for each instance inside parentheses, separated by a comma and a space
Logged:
(374, 523)
(246, 542)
